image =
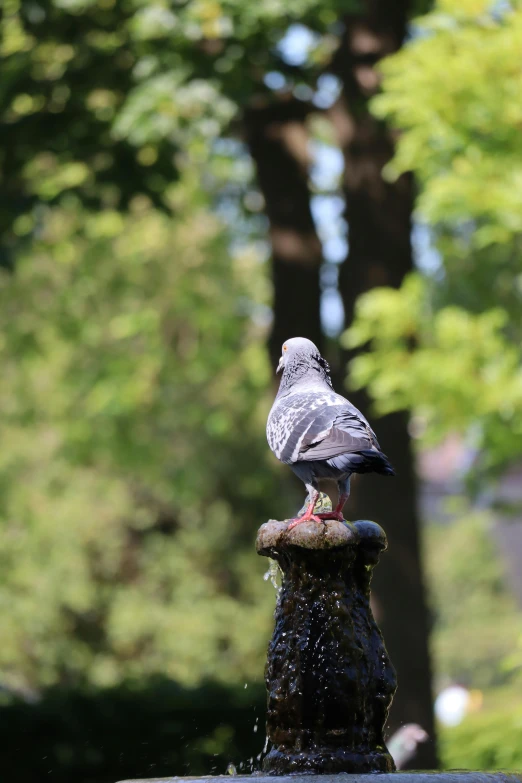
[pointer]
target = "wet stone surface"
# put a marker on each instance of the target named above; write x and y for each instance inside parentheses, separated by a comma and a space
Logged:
(463, 776)
(460, 776)
(329, 679)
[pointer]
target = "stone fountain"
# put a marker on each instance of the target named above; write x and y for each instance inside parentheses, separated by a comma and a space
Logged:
(329, 679)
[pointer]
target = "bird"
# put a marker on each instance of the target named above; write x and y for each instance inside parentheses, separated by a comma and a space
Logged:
(317, 432)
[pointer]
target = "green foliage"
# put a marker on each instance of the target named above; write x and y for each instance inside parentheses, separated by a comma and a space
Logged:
(108, 99)
(477, 628)
(462, 136)
(134, 384)
(476, 621)
(453, 368)
(488, 740)
(447, 345)
(133, 398)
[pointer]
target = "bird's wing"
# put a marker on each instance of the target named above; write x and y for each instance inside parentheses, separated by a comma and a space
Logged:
(292, 417)
(317, 425)
(329, 436)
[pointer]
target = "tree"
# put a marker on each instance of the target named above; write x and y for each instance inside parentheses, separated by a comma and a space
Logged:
(112, 165)
(451, 347)
(133, 348)
(378, 214)
(125, 389)
(446, 344)
(278, 142)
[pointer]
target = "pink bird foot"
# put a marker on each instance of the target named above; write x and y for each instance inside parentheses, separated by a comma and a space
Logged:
(331, 515)
(307, 517)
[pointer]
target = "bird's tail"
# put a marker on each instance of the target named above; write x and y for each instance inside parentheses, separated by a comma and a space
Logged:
(378, 462)
(364, 461)
(387, 470)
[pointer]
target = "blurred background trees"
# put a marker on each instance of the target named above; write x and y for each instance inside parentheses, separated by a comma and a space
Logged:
(446, 344)
(460, 135)
(154, 156)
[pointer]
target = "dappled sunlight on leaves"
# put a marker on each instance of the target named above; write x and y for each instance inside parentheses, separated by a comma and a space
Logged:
(452, 367)
(133, 378)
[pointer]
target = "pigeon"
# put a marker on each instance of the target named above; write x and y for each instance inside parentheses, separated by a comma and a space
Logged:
(318, 432)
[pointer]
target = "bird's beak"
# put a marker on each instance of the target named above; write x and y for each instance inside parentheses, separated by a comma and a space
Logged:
(280, 365)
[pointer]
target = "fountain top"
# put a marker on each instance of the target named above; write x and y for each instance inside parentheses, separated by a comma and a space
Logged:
(331, 534)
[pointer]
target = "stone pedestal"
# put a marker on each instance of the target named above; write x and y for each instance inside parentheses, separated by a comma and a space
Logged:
(463, 776)
(329, 679)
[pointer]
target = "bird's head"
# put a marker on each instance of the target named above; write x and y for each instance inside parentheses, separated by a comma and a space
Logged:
(300, 351)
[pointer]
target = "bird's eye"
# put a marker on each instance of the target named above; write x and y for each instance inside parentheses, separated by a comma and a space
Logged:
(285, 348)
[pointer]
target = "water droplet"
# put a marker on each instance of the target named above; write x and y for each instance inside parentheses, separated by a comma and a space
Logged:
(274, 573)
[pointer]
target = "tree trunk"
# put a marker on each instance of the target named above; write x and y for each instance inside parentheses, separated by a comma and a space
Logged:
(278, 143)
(379, 219)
